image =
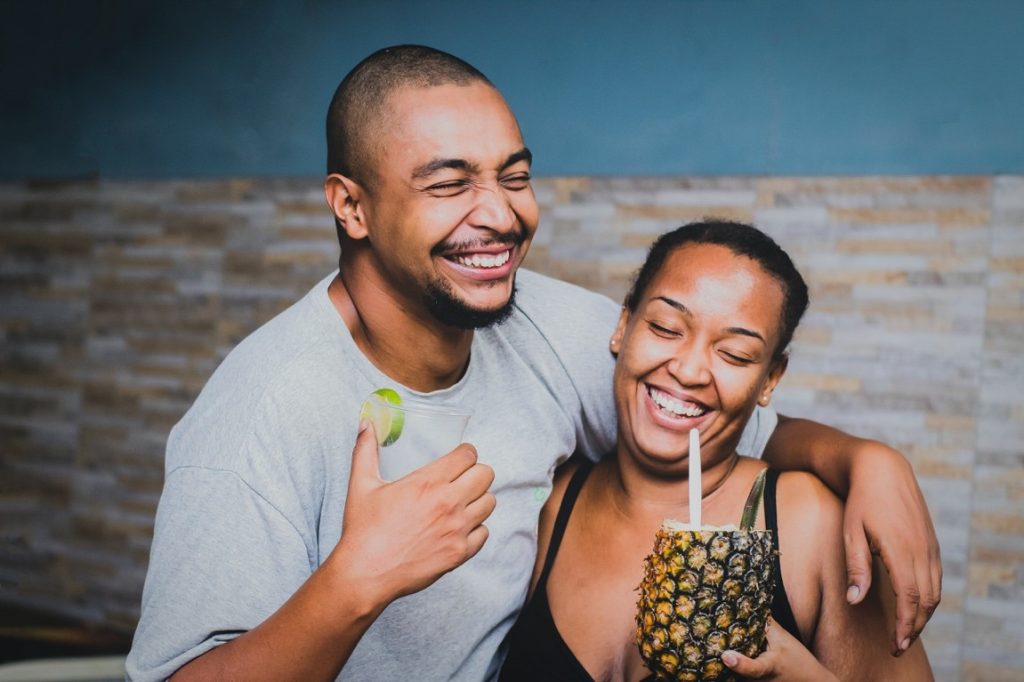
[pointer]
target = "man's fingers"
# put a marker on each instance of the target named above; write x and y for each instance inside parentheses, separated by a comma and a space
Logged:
(365, 458)
(936, 578)
(479, 509)
(929, 600)
(473, 482)
(475, 541)
(917, 585)
(451, 466)
(908, 601)
(858, 562)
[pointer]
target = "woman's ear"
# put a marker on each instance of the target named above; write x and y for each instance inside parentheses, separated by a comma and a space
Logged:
(773, 379)
(620, 331)
(344, 196)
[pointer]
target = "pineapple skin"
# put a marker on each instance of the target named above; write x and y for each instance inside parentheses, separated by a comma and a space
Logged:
(704, 592)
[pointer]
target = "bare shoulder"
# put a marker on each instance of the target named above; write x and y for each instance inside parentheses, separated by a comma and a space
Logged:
(805, 501)
(810, 545)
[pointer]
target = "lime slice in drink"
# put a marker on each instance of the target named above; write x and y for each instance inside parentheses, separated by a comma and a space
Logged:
(387, 422)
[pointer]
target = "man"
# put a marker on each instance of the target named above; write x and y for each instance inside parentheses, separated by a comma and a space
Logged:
(251, 573)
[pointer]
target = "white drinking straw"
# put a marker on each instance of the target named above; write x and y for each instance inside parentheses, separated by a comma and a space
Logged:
(695, 489)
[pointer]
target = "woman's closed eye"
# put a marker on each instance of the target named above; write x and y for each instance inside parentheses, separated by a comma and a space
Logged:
(664, 331)
(736, 357)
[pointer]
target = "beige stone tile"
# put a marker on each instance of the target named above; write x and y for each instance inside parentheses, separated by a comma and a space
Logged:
(1009, 523)
(972, 671)
(963, 216)
(902, 246)
(686, 213)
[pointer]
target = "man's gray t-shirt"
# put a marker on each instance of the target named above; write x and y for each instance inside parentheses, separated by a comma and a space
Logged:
(257, 472)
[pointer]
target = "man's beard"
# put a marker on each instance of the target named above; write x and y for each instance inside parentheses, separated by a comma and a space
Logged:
(447, 309)
(440, 299)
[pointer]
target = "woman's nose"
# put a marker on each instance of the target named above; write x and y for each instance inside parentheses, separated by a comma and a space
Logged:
(690, 367)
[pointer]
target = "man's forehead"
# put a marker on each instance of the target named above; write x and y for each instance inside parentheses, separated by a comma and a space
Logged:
(473, 102)
(470, 122)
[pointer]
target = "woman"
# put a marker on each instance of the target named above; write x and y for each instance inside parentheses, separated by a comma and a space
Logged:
(701, 340)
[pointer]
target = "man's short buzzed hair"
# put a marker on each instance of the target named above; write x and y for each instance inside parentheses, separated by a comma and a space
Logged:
(357, 108)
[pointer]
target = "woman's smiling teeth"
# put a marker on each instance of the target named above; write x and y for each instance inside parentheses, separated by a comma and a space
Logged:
(674, 406)
(483, 260)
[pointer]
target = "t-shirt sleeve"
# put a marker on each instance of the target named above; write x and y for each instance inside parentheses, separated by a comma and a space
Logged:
(577, 325)
(591, 369)
(222, 560)
(757, 432)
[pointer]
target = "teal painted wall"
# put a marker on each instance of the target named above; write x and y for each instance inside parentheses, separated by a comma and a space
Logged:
(127, 89)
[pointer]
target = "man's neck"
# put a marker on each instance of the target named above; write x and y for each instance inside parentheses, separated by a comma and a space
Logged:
(413, 349)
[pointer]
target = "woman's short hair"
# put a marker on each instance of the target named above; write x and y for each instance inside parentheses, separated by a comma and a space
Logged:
(743, 240)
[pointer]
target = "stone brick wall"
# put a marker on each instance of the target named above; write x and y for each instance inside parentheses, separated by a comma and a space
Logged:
(118, 299)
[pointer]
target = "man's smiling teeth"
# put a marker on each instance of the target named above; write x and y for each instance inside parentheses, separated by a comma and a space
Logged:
(676, 407)
(478, 260)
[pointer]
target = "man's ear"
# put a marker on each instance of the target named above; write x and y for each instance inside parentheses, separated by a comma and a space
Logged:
(344, 196)
(772, 380)
(620, 331)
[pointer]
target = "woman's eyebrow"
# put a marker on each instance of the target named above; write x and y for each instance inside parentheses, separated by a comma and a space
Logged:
(675, 304)
(742, 331)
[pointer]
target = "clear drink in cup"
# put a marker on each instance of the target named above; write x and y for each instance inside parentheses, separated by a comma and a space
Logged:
(412, 432)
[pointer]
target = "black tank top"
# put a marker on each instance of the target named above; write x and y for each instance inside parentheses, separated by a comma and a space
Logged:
(535, 648)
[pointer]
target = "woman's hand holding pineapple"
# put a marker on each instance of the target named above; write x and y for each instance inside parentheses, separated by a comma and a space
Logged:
(786, 659)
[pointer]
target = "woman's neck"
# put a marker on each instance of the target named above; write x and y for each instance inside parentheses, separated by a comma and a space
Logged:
(636, 493)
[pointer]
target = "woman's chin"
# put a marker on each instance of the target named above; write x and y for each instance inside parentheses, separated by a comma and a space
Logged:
(671, 462)
(666, 463)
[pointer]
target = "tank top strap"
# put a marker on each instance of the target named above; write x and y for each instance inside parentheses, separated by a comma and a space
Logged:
(572, 491)
(781, 610)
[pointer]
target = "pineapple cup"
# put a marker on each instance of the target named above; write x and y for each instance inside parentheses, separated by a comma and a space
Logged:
(704, 592)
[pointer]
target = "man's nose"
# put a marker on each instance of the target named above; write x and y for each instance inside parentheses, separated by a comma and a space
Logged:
(492, 210)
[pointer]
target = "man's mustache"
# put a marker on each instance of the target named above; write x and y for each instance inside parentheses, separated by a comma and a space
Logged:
(514, 238)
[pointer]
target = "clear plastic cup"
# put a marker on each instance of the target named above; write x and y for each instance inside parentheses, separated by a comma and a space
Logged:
(414, 433)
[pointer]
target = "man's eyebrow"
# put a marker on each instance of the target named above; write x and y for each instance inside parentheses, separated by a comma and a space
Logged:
(742, 331)
(434, 165)
(523, 154)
